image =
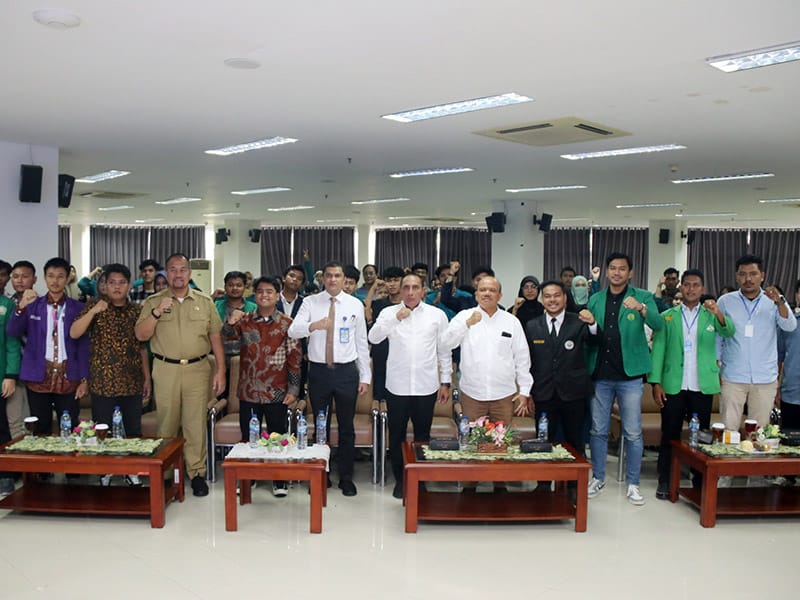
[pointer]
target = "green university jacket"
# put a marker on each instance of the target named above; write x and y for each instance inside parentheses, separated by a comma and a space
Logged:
(635, 352)
(9, 345)
(668, 351)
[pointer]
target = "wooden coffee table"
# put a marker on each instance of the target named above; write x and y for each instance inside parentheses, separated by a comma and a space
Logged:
(94, 499)
(500, 506)
(711, 501)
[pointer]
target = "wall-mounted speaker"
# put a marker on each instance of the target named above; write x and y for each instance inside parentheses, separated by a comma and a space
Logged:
(30, 183)
(222, 235)
(66, 183)
(496, 222)
(545, 222)
(255, 235)
(663, 236)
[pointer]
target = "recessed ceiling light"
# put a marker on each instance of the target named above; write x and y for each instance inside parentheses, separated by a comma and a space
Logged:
(624, 152)
(779, 200)
(334, 220)
(752, 59)
(724, 178)
(551, 188)
(443, 171)
(408, 218)
(455, 108)
(655, 205)
(178, 201)
(261, 191)
(380, 201)
(105, 175)
(121, 207)
(707, 215)
(56, 18)
(148, 220)
(248, 146)
(241, 63)
(221, 214)
(287, 208)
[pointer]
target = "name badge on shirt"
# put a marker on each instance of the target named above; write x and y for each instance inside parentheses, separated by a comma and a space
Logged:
(687, 345)
(748, 330)
(538, 341)
(344, 335)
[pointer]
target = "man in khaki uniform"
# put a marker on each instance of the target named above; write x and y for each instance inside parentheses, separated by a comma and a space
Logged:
(183, 326)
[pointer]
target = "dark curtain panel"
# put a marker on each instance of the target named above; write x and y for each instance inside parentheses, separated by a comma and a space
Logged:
(632, 242)
(780, 250)
(324, 245)
(714, 252)
(65, 242)
(404, 247)
(117, 244)
(276, 250)
(473, 247)
(566, 247)
(188, 239)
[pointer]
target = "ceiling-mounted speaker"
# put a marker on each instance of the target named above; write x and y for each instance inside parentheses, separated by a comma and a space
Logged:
(663, 236)
(496, 222)
(30, 183)
(66, 183)
(222, 235)
(255, 235)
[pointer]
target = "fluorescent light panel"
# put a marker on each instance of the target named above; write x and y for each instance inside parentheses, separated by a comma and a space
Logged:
(443, 171)
(178, 201)
(724, 178)
(779, 201)
(707, 215)
(551, 188)
(288, 208)
(380, 201)
(455, 108)
(121, 207)
(248, 146)
(112, 174)
(221, 214)
(408, 218)
(334, 220)
(624, 152)
(655, 205)
(148, 220)
(268, 190)
(752, 59)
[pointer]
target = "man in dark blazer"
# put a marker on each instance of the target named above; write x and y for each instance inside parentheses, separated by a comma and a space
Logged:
(290, 301)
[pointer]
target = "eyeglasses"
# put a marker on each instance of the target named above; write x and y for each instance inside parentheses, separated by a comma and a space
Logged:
(530, 286)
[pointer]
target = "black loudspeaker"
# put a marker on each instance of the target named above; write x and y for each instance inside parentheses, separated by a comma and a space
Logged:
(545, 222)
(255, 235)
(30, 183)
(496, 222)
(690, 237)
(663, 236)
(221, 235)
(66, 183)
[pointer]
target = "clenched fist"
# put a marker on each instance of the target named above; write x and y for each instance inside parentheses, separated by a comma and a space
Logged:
(403, 313)
(475, 317)
(586, 316)
(28, 296)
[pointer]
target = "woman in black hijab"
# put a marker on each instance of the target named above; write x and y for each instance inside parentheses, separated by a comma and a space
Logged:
(527, 305)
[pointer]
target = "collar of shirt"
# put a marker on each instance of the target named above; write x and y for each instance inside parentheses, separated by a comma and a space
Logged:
(61, 301)
(258, 317)
(559, 320)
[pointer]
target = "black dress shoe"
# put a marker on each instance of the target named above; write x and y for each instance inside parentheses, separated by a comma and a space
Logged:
(662, 492)
(199, 486)
(348, 488)
(328, 478)
(397, 492)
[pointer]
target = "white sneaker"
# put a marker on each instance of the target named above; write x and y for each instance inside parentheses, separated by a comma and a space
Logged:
(595, 487)
(635, 496)
(133, 480)
(725, 481)
(105, 480)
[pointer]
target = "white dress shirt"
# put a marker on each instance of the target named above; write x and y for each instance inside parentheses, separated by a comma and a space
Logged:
(349, 331)
(495, 359)
(418, 360)
(689, 316)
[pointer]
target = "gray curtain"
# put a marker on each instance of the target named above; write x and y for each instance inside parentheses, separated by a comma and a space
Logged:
(65, 242)
(472, 247)
(714, 252)
(276, 250)
(189, 239)
(630, 241)
(567, 247)
(324, 245)
(780, 250)
(117, 244)
(404, 247)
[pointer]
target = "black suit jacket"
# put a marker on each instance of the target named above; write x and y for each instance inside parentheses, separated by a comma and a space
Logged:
(295, 307)
(558, 366)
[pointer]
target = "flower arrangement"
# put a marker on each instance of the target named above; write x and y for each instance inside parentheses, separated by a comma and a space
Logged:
(769, 432)
(483, 431)
(277, 442)
(84, 432)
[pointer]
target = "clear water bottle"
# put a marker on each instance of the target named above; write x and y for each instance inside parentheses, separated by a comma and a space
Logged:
(117, 428)
(255, 429)
(320, 432)
(302, 433)
(66, 426)
(463, 432)
(694, 431)
(541, 431)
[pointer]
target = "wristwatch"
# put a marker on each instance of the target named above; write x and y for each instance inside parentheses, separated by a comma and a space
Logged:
(781, 300)
(155, 316)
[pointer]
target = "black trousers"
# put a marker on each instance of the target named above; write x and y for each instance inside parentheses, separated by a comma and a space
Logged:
(677, 409)
(5, 431)
(402, 408)
(790, 415)
(568, 417)
(274, 414)
(129, 406)
(337, 384)
(42, 407)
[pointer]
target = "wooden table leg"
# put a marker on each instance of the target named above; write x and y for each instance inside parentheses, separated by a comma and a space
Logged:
(245, 491)
(157, 499)
(582, 501)
(230, 500)
(317, 483)
(674, 477)
(708, 498)
(324, 487)
(411, 493)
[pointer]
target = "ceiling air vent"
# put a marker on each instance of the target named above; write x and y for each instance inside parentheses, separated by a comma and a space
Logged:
(554, 132)
(101, 195)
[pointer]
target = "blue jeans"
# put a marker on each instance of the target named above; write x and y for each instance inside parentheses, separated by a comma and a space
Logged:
(629, 398)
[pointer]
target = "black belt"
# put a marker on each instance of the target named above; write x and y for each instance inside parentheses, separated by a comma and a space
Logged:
(179, 361)
(334, 365)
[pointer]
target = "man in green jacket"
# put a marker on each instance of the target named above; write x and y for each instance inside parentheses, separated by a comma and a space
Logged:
(9, 370)
(685, 373)
(618, 365)
(232, 301)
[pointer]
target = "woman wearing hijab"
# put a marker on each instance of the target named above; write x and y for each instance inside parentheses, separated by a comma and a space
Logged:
(580, 292)
(527, 305)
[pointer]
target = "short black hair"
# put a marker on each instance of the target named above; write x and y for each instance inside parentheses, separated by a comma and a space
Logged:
(235, 275)
(418, 276)
(57, 263)
(441, 268)
(393, 273)
(750, 259)
(149, 262)
(482, 269)
(273, 281)
(119, 269)
(351, 272)
(176, 255)
(25, 264)
(704, 297)
(672, 270)
(692, 273)
(558, 284)
(567, 269)
(619, 256)
(332, 264)
(5, 266)
(369, 265)
(295, 268)
(419, 266)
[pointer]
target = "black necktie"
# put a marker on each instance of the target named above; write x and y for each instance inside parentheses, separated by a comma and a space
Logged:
(553, 333)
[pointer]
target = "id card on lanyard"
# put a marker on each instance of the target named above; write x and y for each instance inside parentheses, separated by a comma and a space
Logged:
(749, 329)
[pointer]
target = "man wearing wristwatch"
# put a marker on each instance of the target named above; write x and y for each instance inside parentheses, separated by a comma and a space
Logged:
(750, 358)
(183, 327)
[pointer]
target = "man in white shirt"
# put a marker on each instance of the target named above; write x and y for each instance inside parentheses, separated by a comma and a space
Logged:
(417, 363)
(495, 361)
(338, 358)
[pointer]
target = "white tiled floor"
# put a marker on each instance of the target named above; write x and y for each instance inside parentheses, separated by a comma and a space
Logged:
(656, 551)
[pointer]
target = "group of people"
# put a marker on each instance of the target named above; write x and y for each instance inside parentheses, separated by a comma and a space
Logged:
(563, 347)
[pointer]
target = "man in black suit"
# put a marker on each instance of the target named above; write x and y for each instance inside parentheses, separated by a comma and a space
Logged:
(562, 385)
(290, 301)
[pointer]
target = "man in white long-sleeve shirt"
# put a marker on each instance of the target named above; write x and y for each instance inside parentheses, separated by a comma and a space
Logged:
(418, 368)
(495, 361)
